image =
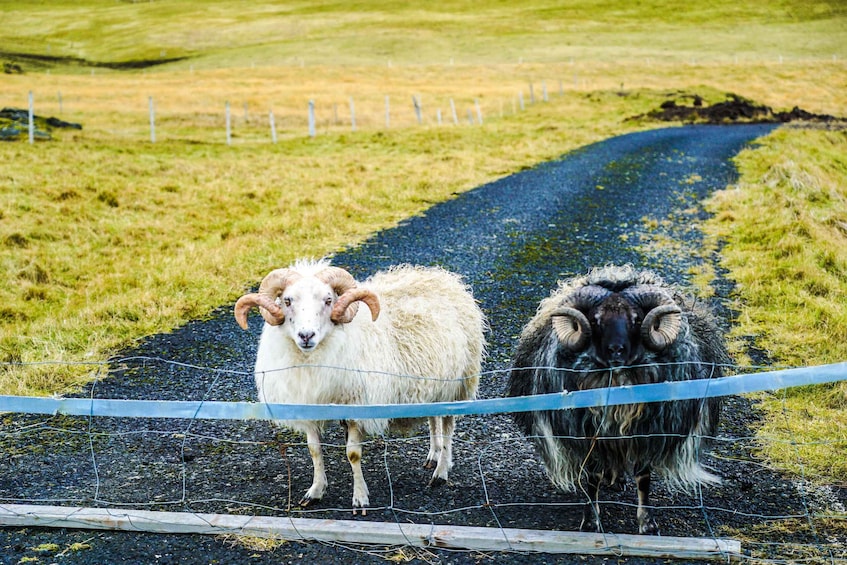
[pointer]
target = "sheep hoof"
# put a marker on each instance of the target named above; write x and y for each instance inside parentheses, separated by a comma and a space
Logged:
(307, 500)
(430, 464)
(437, 482)
(649, 527)
(590, 526)
(364, 511)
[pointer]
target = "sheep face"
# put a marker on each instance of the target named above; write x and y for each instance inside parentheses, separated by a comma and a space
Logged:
(615, 333)
(307, 306)
(617, 329)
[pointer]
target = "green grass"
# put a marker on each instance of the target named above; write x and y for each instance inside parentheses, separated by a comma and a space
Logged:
(106, 237)
(784, 226)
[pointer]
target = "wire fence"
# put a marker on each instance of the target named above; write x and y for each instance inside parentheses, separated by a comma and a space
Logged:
(149, 461)
(157, 118)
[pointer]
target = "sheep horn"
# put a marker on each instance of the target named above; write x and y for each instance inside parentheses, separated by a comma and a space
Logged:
(661, 326)
(663, 320)
(571, 327)
(341, 314)
(269, 309)
(270, 288)
(338, 279)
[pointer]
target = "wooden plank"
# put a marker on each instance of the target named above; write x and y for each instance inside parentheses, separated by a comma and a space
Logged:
(364, 532)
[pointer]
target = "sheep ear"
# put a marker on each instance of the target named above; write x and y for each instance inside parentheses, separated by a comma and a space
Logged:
(571, 327)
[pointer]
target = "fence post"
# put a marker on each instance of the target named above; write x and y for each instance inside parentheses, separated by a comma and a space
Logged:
(544, 90)
(478, 111)
(453, 109)
(31, 119)
(273, 124)
(311, 118)
(152, 119)
(520, 99)
(352, 115)
(228, 126)
(417, 104)
(531, 94)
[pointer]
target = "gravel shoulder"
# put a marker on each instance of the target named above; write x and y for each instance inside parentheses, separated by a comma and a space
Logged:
(512, 239)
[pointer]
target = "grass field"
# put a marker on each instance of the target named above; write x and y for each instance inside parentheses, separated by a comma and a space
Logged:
(106, 237)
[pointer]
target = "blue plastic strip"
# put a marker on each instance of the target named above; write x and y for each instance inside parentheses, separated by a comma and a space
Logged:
(696, 389)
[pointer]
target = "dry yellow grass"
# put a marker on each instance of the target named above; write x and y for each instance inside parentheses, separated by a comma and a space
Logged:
(106, 237)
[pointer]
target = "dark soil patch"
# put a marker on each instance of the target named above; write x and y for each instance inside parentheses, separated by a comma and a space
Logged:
(692, 108)
(16, 62)
(14, 125)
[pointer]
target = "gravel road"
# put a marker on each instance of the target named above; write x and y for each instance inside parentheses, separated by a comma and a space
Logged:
(512, 239)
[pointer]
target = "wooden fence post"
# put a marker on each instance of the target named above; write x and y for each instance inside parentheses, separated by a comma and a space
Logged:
(31, 121)
(152, 120)
(228, 125)
(272, 124)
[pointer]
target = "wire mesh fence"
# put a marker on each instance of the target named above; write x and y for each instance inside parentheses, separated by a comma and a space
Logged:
(190, 441)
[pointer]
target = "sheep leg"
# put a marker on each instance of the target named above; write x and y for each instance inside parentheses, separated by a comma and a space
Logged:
(435, 443)
(591, 510)
(318, 488)
(445, 458)
(354, 456)
(646, 523)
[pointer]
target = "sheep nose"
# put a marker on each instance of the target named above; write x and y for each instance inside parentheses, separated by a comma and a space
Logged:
(616, 352)
(306, 337)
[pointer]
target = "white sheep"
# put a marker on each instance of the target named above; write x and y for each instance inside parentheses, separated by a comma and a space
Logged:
(421, 341)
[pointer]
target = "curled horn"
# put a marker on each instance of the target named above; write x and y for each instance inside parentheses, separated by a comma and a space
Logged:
(343, 283)
(271, 287)
(663, 321)
(571, 327)
(570, 324)
(343, 311)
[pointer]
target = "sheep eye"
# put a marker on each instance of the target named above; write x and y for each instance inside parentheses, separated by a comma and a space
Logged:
(328, 301)
(286, 301)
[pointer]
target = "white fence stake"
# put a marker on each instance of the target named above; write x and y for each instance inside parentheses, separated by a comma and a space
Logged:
(478, 112)
(453, 109)
(152, 119)
(417, 104)
(352, 115)
(311, 118)
(520, 100)
(531, 94)
(273, 124)
(438, 114)
(31, 118)
(544, 90)
(228, 126)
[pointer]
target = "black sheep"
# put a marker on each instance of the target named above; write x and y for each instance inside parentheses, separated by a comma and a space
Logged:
(619, 326)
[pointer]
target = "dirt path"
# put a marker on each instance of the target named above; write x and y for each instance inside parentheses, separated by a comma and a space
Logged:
(512, 239)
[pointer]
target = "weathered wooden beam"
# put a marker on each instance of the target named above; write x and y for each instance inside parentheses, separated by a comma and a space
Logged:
(364, 532)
